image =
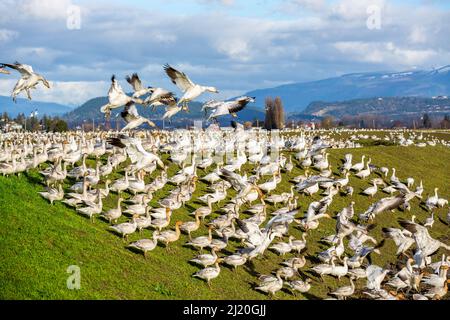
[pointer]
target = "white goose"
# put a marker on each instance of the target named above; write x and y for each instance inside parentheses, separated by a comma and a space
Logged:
(136, 83)
(230, 107)
(53, 194)
(191, 90)
(371, 191)
(432, 201)
(115, 213)
(145, 245)
(126, 228)
(117, 97)
(365, 172)
(29, 79)
(344, 292)
(360, 165)
(132, 117)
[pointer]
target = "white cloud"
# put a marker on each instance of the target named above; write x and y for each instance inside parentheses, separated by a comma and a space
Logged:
(314, 5)
(418, 35)
(45, 9)
(355, 9)
(386, 52)
(234, 48)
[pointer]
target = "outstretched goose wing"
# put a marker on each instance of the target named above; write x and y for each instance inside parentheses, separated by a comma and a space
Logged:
(180, 79)
(24, 69)
(130, 112)
(135, 82)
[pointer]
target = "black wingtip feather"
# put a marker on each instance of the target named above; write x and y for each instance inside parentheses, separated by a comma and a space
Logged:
(115, 142)
(242, 225)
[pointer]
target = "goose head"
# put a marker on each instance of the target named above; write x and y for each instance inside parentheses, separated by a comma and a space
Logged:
(212, 89)
(44, 81)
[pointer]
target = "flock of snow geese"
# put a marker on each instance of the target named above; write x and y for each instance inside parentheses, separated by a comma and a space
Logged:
(155, 97)
(244, 209)
(420, 273)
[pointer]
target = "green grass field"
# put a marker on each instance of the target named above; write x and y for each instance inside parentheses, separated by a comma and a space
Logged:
(38, 242)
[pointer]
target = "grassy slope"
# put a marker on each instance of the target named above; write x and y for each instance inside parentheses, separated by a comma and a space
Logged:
(38, 241)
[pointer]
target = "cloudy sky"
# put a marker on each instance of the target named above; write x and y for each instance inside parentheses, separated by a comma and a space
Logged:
(235, 45)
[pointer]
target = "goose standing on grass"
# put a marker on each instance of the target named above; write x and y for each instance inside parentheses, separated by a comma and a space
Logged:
(132, 117)
(363, 174)
(206, 259)
(209, 273)
(53, 194)
(429, 221)
(410, 182)
(235, 260)
(191, 226)
(29, 79)
(299, 285)
(117, 97)
(145, 245)
(344, 292)
(202, 241)
(432, 201)
(370, 191)
(115, 213)
(358, 166)
(419, 189)
(271, 284)
(230, 107)
(191, 90)
(92, 208)
(168, 236)
(126, 228)
(324, 268)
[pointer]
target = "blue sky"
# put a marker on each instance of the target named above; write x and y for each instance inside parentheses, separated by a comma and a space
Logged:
(235, 45)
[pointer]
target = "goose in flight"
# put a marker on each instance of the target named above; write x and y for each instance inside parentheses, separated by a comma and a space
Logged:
(172, 108)
(191, 90)
(29, 79)
(424, 242)
(132, 117)
(159, 97)
(138, 88)
(117, 97)
(138, 155)
(230, 107)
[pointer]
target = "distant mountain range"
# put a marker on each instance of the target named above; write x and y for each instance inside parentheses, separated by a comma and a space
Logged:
(90, 110)
(394, 108)
(26, 107)
(297, 96)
